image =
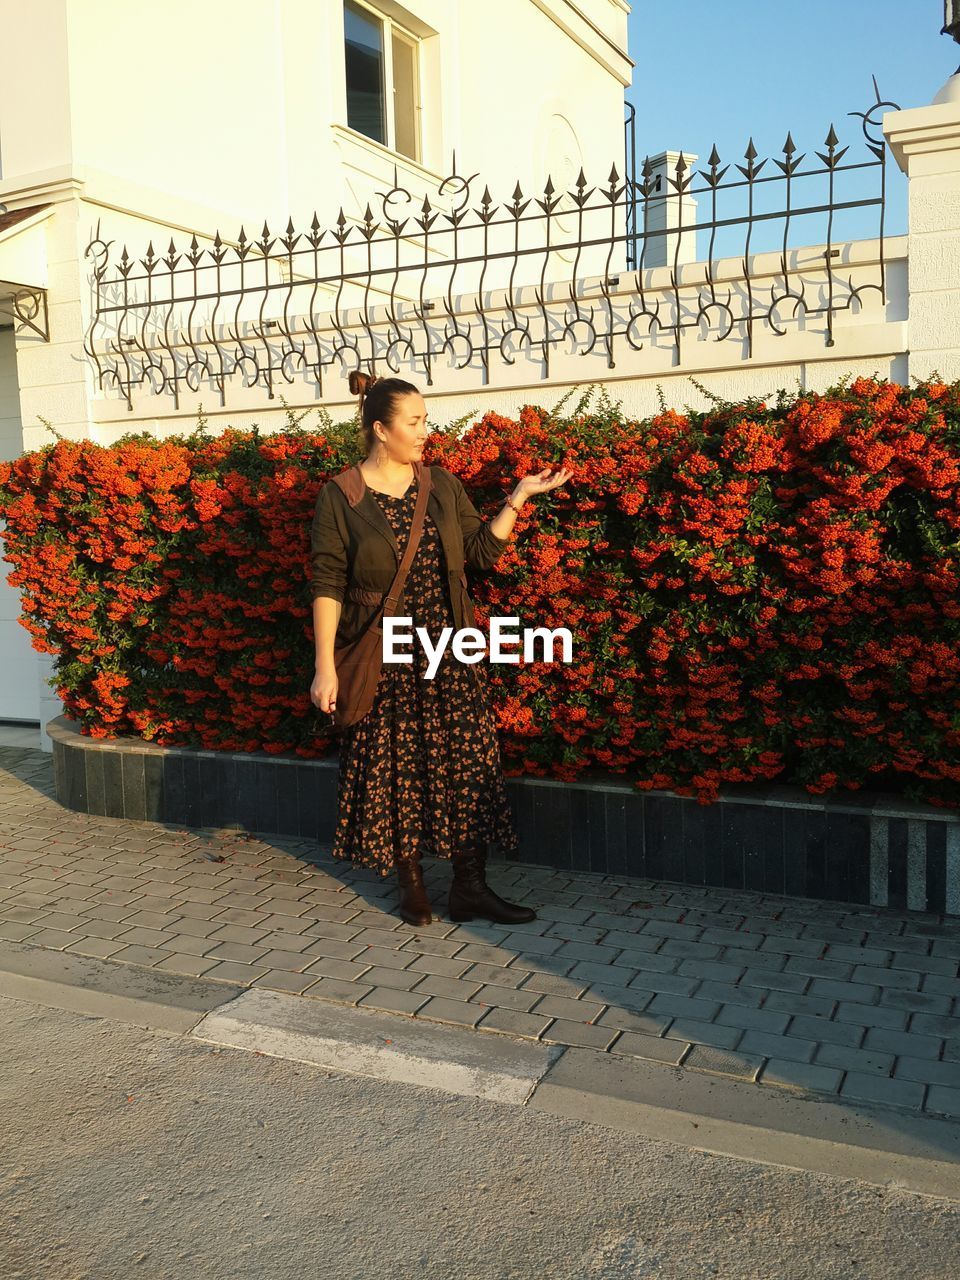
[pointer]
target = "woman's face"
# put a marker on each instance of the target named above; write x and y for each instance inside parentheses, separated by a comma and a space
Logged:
(405, 437)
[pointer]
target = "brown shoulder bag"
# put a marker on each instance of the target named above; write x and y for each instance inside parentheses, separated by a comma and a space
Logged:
(359, 664)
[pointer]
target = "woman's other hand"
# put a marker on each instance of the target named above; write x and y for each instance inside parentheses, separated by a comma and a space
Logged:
(323, 690)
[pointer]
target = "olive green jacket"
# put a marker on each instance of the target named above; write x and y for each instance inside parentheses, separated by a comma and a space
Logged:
(355, 556)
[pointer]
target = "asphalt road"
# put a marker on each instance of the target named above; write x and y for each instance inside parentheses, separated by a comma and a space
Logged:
(131, 1153)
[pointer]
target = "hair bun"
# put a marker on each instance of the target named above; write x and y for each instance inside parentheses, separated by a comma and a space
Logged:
(360, 382)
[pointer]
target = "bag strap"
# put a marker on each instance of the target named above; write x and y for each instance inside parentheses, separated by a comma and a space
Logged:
(413, 541)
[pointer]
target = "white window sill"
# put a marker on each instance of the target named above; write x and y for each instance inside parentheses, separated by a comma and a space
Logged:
(377, 160)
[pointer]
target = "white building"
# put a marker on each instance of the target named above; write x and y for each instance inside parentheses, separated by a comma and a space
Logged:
(160, 122)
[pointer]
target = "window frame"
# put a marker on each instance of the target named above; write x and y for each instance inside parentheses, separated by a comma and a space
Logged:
(388, 26)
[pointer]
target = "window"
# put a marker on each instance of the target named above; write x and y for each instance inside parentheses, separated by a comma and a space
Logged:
(383, 83)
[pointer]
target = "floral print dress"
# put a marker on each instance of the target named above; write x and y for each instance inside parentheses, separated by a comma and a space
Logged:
(421, 772)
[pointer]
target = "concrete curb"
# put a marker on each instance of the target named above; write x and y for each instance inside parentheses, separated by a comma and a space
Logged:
(386, 1046)
(882, 1146)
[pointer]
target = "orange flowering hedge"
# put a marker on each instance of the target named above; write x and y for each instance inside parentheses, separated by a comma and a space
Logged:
(755, 592)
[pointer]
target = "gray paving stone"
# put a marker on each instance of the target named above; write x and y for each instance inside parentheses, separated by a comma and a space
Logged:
(937, 984)
(64, 920)
(331, 931)
(730, 993)
(585, 953)
(871, 1015)
(531, 944)
(815, 967)
(635, 1001)
(574, 932)
(324, 967)
(866, 1087)
(384, 957)
(486, 955)
(184, 964)
(580, 1034)
(773, 925)
(634, 1044)
(912, 1044)
(626, 1020)
(507, 997)
(685, 950)
(770, 961)
(275, 980)
(391, 939)
(663, 983)
(795, 983)
(902, 978)
(242, 934)
(675, 1006)
(844, 1058)
(131, 937)
(337, 990)
(564, 1007)
(859, 955)
(601, 973)
(928, 1071)
(549, 984)
(395, 979)
(935, 1025)
(792, 946)
(500, 977)
(619, 923)
(441, 948)
(14, 932)
(725, 1062)
(673, 929)
(916, 1001)
(822, 1029)
(449, 988)
(245, 974)
(748, 1019)
(439, 965)
(100, 947)
(334, 950)
(632, 941)
(652, 962)
(800, 1075)
(457, 1012)
(140, 955)
(713, 970)
(513, 1022)
(858, 992)
(694, 1031)
(943, 965)
(393, 1001)
(942, 1100)
(731, 938)
(782, 1048)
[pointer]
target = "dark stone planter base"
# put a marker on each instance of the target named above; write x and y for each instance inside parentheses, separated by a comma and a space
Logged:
(866, 848)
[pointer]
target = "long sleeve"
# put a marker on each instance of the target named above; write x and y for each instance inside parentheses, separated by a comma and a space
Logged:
(328, 555)
(481, 546)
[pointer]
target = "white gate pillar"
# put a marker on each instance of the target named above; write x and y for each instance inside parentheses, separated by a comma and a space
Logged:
(925, 141)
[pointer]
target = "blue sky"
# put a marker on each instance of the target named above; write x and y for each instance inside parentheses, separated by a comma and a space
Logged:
(709, 72)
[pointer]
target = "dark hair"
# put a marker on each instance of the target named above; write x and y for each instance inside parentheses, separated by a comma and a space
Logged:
(378, 400)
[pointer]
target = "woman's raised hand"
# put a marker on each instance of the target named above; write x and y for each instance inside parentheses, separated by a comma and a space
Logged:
(543, 481)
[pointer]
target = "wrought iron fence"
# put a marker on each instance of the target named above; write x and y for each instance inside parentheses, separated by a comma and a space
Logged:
(465, 280)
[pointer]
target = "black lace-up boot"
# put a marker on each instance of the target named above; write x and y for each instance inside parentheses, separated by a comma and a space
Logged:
(470, 895)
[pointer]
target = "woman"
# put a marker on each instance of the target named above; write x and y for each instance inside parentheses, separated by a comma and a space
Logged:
(421, 772)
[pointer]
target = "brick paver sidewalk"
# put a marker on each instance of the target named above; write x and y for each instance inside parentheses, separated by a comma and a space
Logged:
(848, 1001)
